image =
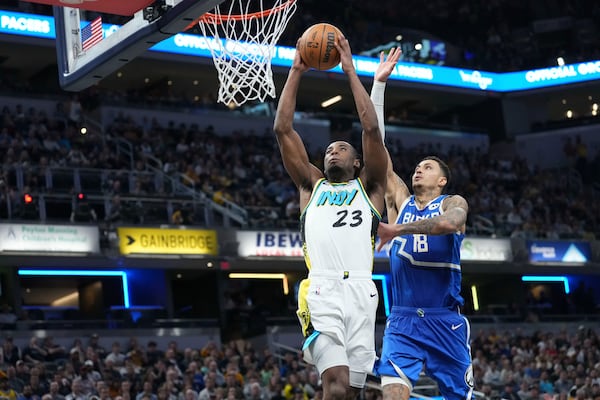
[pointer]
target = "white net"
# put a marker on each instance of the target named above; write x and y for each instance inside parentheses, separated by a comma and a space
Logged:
(244, 46)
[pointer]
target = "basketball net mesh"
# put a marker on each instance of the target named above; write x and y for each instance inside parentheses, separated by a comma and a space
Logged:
(244, 44)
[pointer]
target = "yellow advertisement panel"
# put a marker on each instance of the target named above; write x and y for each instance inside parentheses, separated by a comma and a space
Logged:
(167, 241)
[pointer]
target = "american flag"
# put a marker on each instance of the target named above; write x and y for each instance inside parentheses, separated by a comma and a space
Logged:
(91, 33)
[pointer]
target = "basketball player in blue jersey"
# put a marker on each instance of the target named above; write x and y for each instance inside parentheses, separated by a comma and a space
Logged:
(425, 327)
(341, 208)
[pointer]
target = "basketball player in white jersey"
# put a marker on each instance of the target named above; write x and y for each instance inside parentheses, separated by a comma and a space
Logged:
(341, 208)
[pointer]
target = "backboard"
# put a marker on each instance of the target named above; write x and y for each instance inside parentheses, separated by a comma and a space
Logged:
(82, 63)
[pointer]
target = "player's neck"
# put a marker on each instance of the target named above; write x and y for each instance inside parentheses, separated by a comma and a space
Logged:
(423, 198)
(338, 177)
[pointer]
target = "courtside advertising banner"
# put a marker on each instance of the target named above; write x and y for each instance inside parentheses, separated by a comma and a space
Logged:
(279, 244)
(168, 241)
(289, 244)
(269, 244)
(564, 252)
(480, 249)
(49, 239)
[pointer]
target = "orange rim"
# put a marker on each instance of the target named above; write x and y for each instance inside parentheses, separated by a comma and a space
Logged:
(211, 18)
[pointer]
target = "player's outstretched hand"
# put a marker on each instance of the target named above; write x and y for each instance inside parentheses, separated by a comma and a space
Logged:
(387, 64)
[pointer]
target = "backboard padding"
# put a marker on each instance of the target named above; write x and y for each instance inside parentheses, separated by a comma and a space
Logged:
(116, 7)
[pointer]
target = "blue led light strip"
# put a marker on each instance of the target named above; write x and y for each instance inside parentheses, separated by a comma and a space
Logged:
(386, 298)
(538, 278)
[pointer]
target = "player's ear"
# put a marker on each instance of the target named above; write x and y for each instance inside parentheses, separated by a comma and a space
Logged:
(442, 181)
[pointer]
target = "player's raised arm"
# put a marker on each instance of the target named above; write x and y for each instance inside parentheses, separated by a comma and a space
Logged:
(384, 70)
(293, 152)
(396, 190)
(374, 156)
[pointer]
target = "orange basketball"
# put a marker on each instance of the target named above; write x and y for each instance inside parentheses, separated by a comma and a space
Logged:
(317, 47)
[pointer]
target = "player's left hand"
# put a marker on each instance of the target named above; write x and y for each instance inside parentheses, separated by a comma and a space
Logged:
(387, 64)
(298, 63)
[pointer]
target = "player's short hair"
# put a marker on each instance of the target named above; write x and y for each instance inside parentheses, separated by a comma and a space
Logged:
(444, 167)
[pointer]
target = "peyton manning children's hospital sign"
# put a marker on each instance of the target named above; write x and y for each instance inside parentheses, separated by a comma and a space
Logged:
(49, 238)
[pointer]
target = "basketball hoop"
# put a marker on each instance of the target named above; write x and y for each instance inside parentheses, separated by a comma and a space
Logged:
(244, 44)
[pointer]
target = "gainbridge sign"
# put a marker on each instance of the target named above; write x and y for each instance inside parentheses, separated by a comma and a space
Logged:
(167, 241)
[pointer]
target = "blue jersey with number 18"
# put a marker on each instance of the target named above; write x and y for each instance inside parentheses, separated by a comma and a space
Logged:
(426, 269)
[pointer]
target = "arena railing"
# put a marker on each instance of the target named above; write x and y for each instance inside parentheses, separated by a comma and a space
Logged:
(181, 183)
(60, 185)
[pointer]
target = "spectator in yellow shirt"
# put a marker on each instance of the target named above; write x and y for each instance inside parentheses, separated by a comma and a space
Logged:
(6, 392)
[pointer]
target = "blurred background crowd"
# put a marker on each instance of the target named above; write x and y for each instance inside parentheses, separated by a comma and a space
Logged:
(511, 364)
(508, 196)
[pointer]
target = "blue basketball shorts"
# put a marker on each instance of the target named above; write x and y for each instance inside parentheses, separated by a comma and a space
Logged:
(435, 339)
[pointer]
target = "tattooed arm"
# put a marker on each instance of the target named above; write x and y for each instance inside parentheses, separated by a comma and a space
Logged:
(452, 220)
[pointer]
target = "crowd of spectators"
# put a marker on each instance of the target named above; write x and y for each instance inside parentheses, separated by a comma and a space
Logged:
(43, 369)
(507, 195)
(514, 364)
(543, 365)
